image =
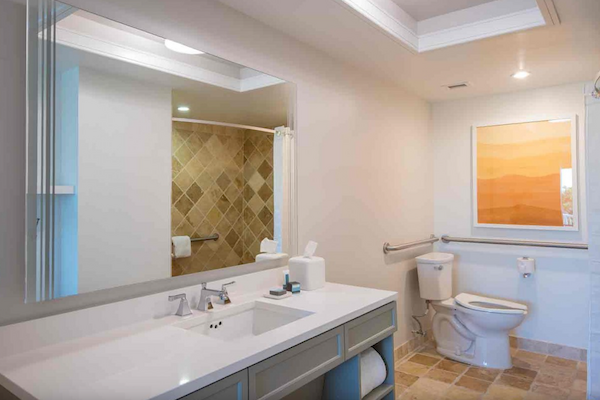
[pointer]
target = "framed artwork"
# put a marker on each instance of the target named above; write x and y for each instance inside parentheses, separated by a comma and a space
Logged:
(525, 175)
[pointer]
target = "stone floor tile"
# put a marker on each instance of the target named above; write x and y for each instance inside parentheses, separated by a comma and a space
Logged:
(582, 366)
(424, 360)
(458, 393)
(441, 375)
(485, 374)
(579, 385)
(551, 392)
(399, 389)
(452, 366)
(521, 372)
(477, 385)
(514, 381)
(577, 395)
(431, 352)
(412, 368)
(502, 392)
(561, 381)
(405, 379)
(561, 362)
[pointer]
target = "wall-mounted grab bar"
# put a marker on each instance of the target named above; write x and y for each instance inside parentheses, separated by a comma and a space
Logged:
(387, 247)
(214, 236)
(508, 242)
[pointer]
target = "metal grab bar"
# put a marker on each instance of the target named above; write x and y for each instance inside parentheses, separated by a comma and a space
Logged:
(508, 242)
(214, 236)
(387, 247)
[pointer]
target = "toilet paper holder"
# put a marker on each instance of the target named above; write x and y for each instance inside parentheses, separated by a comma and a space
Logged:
(526, 266)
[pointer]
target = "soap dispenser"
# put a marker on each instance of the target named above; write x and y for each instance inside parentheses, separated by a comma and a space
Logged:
(308, 269)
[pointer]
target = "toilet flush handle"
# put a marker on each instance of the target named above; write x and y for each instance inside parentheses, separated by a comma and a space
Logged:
(438, 267)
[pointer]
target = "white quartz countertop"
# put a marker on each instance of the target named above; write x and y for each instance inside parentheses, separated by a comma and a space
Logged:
(158, 359)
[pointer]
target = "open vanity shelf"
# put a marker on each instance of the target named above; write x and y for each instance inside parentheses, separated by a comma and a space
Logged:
(326, 367)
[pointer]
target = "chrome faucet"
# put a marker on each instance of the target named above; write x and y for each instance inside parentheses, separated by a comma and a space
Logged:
(205, 303)
(184, 307)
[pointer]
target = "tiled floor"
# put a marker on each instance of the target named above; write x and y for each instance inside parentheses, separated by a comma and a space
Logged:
(426, 375)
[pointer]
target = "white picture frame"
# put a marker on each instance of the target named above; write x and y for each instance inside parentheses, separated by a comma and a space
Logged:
(574, 161)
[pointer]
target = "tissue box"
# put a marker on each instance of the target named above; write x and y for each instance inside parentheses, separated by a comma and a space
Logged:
(308, 271)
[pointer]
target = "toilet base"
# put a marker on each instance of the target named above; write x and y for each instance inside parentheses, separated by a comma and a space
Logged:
(487, 352)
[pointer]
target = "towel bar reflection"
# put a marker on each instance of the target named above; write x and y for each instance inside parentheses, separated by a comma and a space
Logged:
(214, 236)
(204, 239)
(388, 247)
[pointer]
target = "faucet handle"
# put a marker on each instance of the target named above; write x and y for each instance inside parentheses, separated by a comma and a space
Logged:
(184, 306)
(224, 286)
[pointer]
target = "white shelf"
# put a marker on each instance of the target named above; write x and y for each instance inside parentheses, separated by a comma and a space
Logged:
(379, 392)
(58, 189)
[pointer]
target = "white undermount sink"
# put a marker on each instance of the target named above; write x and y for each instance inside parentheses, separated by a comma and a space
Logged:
(246, 320)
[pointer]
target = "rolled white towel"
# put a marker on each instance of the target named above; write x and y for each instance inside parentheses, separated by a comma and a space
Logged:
(372, 371)
(182, 246)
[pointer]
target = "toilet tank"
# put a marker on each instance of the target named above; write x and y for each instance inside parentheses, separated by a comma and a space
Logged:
(435, 275)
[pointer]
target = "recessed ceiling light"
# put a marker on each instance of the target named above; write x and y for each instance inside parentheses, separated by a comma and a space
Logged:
(183, 108)
(180, 48)
(521, 75)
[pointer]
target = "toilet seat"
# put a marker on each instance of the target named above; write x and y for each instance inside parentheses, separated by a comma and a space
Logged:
(486, 304)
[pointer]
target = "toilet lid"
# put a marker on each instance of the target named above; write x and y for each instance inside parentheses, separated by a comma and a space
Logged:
(487, 304)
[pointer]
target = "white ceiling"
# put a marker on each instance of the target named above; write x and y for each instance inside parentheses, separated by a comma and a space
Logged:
(423, 9)
(565, 53)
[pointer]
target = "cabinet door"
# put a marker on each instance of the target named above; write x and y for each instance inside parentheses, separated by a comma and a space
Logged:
(234, 387)
(363, 332)
(287, 371)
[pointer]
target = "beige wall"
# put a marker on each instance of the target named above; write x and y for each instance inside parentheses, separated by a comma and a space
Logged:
(558, 293)
(364, 159)
(123, 215)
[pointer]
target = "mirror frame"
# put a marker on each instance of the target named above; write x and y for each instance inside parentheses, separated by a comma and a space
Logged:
(120, 293)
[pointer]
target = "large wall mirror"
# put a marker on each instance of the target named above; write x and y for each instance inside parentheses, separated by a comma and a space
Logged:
(133, 140)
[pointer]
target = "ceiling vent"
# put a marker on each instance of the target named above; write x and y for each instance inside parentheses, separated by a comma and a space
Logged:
(460, 85)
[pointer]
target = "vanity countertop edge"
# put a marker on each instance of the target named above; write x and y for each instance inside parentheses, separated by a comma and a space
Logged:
(183, 363)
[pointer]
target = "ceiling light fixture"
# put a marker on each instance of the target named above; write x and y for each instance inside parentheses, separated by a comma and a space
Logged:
(183, 108)
(521, 74)
(180, 48)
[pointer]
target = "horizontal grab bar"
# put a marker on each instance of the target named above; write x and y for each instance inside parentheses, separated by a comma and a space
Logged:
(388, 247)
(204, 239)
(508, 242)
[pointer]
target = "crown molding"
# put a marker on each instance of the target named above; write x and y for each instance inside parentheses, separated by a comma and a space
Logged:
(499, 17)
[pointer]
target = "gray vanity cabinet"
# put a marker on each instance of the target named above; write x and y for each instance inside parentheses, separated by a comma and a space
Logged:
(334, 355)
(287, 371)
(234, 387)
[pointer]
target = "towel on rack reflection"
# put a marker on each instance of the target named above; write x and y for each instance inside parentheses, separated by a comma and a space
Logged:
(182, 246)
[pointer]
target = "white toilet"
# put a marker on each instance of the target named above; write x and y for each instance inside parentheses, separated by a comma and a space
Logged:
(468, 328)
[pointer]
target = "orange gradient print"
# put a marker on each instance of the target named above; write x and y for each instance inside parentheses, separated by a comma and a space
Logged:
(524, 174)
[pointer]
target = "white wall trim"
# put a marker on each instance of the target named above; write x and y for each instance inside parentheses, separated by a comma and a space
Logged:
(384, 20)
(504, 21)
(258, 81)
(518, 21)
(108, 48)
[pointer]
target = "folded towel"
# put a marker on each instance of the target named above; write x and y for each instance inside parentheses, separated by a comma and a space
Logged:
(372, 371)
(182, 246)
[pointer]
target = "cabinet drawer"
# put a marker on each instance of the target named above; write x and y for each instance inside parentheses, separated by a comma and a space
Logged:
(234, 387)
(285, 372)
(365, 331)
